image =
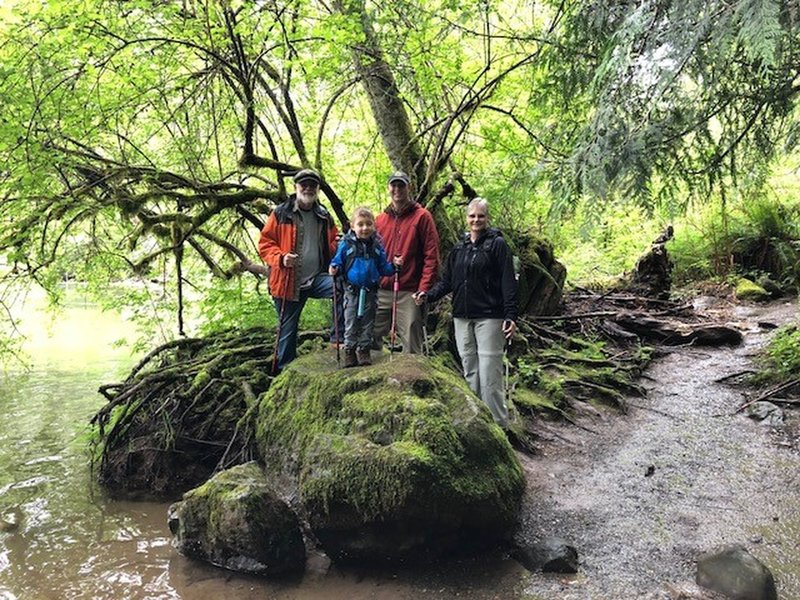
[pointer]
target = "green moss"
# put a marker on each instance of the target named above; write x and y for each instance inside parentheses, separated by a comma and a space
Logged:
(241, 488)
(200, 380)
(313, 345)
(236, 519)
(749, 290)
(401, 439)
(532, 399)
(367, 479)
(549, 377)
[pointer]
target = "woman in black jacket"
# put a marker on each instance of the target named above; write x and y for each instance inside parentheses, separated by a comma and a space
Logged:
(480, 275)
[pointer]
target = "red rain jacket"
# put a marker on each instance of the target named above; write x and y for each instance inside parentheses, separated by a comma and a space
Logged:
(413, 236)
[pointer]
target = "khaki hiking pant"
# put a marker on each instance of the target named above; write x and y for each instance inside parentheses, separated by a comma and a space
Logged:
(409, 321)
(480, 345)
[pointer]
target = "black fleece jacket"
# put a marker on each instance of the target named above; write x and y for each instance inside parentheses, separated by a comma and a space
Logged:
(481, 278)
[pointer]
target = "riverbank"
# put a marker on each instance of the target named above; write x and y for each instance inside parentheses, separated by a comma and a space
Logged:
(642, 495)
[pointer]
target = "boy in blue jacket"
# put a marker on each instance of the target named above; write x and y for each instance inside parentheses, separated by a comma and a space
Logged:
(362, 260)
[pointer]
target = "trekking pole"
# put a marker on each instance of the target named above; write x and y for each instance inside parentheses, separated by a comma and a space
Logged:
(505, 360)
(426, 349)
(336, 321)
(395, 290)
(280, 325)
(506, 363)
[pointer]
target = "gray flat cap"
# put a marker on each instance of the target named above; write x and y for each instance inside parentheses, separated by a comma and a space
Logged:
(306, 174)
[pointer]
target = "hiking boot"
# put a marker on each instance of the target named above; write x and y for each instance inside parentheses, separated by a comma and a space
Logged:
(364, 357)
(350, 359)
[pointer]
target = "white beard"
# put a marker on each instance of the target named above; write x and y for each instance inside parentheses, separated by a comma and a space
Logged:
(306, 200)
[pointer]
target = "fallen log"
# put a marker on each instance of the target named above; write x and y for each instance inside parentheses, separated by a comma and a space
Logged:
(674, 334)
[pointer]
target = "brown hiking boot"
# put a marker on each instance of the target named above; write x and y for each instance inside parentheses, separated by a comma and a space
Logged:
(350, 359)
(364, 357)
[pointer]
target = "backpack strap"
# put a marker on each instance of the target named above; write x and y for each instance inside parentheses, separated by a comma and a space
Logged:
(349, 258)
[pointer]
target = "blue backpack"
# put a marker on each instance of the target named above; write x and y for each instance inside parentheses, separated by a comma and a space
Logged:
(364, 262)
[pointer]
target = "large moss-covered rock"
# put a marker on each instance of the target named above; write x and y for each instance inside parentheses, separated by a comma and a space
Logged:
(392, 461)
(235, 520)
(749, 290)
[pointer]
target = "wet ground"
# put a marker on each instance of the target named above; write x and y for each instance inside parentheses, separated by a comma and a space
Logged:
(641, 496)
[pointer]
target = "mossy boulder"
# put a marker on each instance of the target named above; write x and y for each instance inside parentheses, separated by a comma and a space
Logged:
(749, 290)
(394, 461)
(772, 287)
(541, 276)
(235, 520)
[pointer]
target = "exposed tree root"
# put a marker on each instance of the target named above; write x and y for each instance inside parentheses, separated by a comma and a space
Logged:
(184, 411)
(786, 386)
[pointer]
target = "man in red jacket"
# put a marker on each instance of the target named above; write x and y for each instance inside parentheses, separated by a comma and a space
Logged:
(408, 231)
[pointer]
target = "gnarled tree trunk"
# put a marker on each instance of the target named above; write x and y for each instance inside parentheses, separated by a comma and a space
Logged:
(387, 106)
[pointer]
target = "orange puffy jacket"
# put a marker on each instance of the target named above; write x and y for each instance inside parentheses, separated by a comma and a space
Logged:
(279, 238)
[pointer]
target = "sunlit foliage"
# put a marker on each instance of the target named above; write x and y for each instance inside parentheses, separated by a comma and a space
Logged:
(148, 139)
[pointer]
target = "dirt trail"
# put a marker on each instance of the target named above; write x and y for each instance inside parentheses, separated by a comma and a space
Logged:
(648, 492)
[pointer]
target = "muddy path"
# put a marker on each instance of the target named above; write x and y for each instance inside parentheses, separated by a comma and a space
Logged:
(642, 495)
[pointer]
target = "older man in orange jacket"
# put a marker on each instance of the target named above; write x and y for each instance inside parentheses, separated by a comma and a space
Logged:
(297, 242)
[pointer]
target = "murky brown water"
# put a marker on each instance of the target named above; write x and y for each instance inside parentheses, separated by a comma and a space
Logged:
(72, 542)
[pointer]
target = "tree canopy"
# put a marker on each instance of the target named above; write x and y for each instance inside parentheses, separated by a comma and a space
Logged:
(141, 134)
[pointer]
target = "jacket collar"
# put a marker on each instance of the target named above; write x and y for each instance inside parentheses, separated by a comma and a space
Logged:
(414, 205)
(489, 232)
(351, 237)
(316, 207)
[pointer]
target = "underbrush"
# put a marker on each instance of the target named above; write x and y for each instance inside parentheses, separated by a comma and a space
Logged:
(244, 303)
(754, 238)
(780, 361)
(598, 250)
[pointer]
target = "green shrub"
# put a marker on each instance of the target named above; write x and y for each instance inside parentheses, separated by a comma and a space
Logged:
(764, 239)
(753, 237)
(244, 303)
(781, 359)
